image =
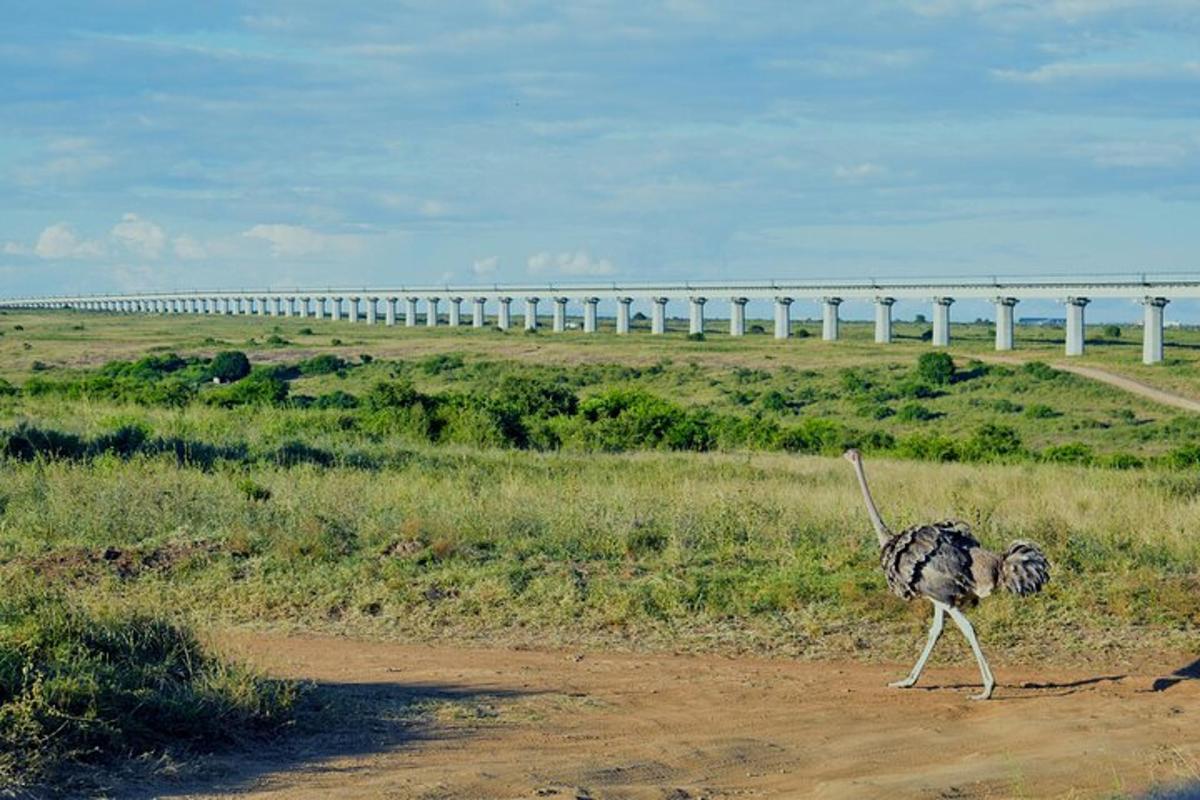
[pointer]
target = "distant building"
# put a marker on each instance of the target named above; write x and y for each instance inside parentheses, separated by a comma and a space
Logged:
(1044, 322)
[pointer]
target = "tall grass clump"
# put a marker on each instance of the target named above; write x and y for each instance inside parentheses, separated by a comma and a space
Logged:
(83, 688)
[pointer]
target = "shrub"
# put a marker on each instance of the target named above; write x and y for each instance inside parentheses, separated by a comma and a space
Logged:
(813, 435)
(1185, 457)
(336, 399)
(6, 388)
(915, 412)
(440, 363)
(305, 332)
(929, 447)
(1041, 411)
(1040, 370)
(259, 388)
(1124, 461)
(1073, 453)
(229, 366)
(696, 337)
(390, 395)
(1112, 331)
(1006, 406)
(80, 688)
(991, 441)
(935, 368)
(323, 364)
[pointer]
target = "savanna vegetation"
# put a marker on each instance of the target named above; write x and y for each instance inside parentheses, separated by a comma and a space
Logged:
(452, 485)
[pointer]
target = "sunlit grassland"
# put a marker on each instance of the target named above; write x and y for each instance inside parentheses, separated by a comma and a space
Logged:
(78, 339)
(374, 531)
(765, 552)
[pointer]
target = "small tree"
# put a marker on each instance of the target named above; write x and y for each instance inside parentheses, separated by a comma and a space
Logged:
(230, 366)
(1112, 331)
(936, 368)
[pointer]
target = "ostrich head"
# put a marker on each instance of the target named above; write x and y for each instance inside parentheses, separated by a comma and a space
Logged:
(852, 455)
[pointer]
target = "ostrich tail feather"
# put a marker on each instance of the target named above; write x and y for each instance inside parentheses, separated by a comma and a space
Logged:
(1024, 569)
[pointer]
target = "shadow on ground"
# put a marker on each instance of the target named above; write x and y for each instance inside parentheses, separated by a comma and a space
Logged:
(335, 721)
(1189, 791)
(1189, 673)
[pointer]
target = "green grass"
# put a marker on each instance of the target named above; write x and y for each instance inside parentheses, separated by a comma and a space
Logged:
(84, 688)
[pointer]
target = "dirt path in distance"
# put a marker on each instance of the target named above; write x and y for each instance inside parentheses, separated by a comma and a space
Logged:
(564, 725)
(1122, 382)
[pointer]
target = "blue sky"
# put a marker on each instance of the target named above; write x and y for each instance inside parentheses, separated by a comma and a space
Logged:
(163, 145)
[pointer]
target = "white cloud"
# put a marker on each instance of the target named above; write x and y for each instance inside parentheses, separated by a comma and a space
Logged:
(296, 240)
(578, 263)
(858, 172)
(16, 249)
(485, 266)
(188, 248)
(434, 208)
(59, 241)
(140, 236)
(1115, 71)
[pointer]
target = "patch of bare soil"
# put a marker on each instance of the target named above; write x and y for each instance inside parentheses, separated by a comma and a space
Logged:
(413, 721)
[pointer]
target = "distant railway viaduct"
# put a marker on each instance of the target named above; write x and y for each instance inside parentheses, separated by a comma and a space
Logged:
(401, 303)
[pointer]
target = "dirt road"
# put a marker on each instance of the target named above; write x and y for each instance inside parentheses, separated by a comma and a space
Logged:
(411, 721)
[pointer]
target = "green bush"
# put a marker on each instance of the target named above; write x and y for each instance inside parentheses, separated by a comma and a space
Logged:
(929, 447)
(229, 366)
(323, 364)
(936, 368)
(1041, 371)
(993, 442)
(1112, 331)
(915, 412)
(80, 688)
(440, 363)
(1041, 411)
(258, 388)
(391, 395)
(1073, 453)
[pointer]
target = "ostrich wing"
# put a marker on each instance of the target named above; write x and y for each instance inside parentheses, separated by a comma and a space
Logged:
(931, 561)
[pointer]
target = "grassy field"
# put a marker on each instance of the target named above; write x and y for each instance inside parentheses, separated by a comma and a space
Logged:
(623, 491)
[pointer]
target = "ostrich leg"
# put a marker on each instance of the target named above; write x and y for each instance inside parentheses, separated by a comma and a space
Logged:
(964, 625)
(935, 630)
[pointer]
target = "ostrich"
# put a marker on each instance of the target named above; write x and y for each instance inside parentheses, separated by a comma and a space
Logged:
(943, 563)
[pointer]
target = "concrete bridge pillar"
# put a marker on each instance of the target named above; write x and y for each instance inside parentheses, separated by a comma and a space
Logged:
(389, 310)
(737, 316)
(455, 318)
(589, 314)
(410, 312)
(288, 302)
(1152, 329)
(261, 303)
(335, 309)
(783, 317)
(560, 314)
(658, 318)
(431, 311)
(504, 315)
(477, 313)
(883, 319)
(830, 323)
(372, 309)
(1075, 325)
(696, 316)
(531, 304)
(941, 321)
(302, 307)
(623, 305)
(352, 309)
(1004, 322)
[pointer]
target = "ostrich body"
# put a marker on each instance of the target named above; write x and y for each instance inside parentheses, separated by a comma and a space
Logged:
(946, 565)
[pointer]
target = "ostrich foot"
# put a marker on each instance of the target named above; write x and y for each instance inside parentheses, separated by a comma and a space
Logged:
(904, 684)
(986, 693)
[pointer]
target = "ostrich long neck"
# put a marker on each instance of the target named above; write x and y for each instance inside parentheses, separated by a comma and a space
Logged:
(881, 531)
